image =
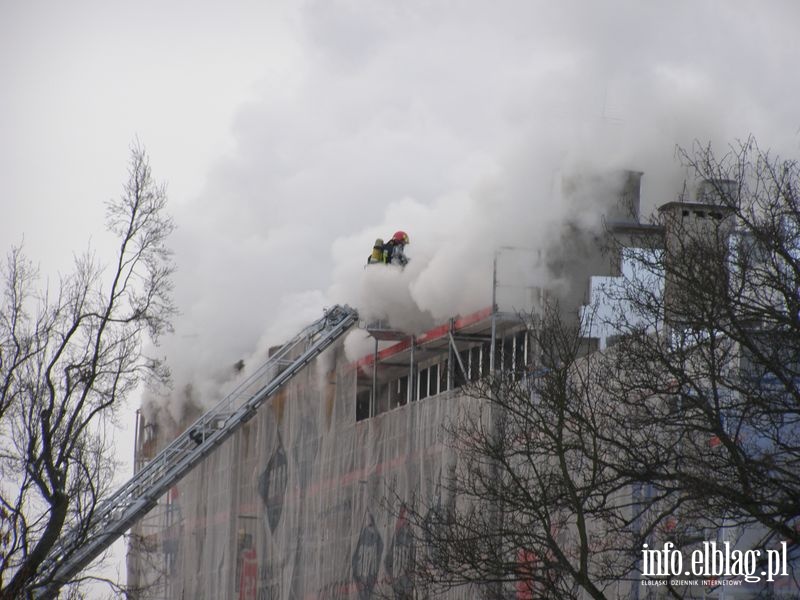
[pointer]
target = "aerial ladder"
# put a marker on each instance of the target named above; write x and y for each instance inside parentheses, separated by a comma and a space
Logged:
(82, 544)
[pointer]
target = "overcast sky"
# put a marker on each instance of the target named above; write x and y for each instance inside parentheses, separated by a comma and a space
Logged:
(291, 134)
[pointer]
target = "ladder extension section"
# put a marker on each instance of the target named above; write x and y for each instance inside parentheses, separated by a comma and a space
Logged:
(141, 493)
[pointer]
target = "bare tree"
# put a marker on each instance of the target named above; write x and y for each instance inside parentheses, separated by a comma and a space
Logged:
(724, 353)
(69, 356)
(686, 428)
(536, 504)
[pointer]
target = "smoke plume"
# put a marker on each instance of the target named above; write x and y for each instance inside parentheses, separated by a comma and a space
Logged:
(454, 124)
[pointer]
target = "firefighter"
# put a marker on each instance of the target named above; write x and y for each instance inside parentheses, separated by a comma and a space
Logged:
(394, 249)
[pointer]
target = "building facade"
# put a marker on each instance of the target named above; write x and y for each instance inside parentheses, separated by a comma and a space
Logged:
(309, 499)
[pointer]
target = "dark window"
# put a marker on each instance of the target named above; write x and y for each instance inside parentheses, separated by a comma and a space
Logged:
(423, 384)
(475, 363)
(458, 374)
(519, 351)
(498, 354)
(382, 399)
(443, 371)
(362, 404)
(433, 380)
(399, 395)
(486, 351)
(508, 354)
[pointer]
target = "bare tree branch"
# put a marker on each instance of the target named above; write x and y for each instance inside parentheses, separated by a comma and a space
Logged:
(68, 359)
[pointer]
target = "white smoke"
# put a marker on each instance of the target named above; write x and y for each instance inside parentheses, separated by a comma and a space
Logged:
(454, 126)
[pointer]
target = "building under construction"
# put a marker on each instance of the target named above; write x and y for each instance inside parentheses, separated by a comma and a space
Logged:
(306, 499)
(294, 504)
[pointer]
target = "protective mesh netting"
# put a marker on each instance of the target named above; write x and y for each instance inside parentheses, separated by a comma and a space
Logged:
(303, 502)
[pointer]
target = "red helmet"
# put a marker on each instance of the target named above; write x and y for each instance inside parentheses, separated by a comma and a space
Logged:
(400, 237)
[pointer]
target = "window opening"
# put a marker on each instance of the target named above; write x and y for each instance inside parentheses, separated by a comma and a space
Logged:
(486, 351)
(433, 380)
(399, 392)
(362, 404)
(475, 363)
(423, 384)
(459, 378)
(381, 399)
(519, 352)
(508, 354)
(443, 376)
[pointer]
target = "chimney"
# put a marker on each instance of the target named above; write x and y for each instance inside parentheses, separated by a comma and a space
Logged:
(696, 242)
(719, 192)
(625, 209)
